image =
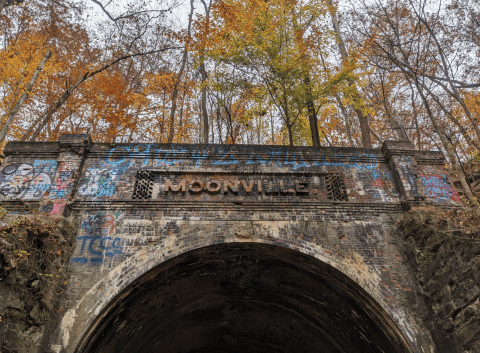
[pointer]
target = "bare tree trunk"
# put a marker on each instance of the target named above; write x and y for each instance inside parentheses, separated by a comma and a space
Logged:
(130, 136)
(312, 114)
(453, 90)
(204, 103)
(415, 117)
(447, 146)
(290, 134)
(203, 72)
(347, 123)
(52, 109)
(3, 4)
(362, 117)
(12, 113)
(171, 127)
(392, 116)
(219, 126)
(272, 129)
(171, 131)
(68, 92)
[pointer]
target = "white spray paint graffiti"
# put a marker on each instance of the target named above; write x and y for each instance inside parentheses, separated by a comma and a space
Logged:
(100, 180)
(27, 181)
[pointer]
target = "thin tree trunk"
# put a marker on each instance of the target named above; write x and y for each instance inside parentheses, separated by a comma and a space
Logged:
(229, 126)
(219, 126)
(452, 119)
(290, 134)
(362, 118)
(272, 129)
(454, 91)
(52, 109)
(130, 136)
(171, 131)
(3, 4)
(347, 123)
(12, 113)
(447, 146)
(204, 102)
(415, 117)
(287, 119)
(203, 72)
(171, 127)
(312, 115)
(392, 116)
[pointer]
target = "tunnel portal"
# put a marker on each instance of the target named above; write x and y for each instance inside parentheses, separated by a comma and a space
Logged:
(245, 298)
(159, 266)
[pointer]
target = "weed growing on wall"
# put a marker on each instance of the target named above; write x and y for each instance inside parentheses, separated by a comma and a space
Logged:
(443, 247)
(33, 252)
(430, 227)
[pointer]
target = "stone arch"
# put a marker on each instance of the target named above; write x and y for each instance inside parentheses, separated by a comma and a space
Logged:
(346, 277)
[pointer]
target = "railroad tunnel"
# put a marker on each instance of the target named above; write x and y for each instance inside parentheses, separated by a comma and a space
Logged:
(243, 297)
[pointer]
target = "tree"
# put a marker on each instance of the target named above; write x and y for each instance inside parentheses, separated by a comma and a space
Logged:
(282, 45)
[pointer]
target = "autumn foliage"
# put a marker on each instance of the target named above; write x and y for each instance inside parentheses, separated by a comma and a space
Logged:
(245, 71)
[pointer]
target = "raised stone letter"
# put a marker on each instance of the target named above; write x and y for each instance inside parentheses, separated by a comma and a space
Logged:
(232, 185)
(169, 186)
(301, 187)
(247, 188)
(213, 187)
(271, 188)
(195, 186)
(285, 190)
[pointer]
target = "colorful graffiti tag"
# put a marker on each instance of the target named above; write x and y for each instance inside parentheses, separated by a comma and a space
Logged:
(95, 242)
(101, 180)
(28, 181)
(229, 155)
(438, 188)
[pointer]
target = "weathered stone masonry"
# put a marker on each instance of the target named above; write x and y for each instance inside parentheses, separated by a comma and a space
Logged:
(141, 206)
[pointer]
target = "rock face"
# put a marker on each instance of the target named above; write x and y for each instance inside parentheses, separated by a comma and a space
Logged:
(33, 261)
(446, 261)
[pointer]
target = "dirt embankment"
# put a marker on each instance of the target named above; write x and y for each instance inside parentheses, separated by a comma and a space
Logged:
(34, 253)
(443, 247)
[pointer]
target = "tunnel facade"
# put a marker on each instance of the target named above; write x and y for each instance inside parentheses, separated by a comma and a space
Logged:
(205, 248)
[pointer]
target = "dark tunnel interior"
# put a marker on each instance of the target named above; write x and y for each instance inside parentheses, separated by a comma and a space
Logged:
(243, 297)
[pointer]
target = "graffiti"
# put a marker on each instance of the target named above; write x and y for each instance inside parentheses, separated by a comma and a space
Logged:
(101, 180)
(63, 183)
(439, 188)
(28, 181)
(95, 242)
(407, 173)
(351, 161)
(107, 178)
(381, 188)
(170, 155)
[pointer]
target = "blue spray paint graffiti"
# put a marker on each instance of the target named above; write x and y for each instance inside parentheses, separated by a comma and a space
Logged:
(97, 243)
(27, 181)
(105, 179)
(227, 156)
(101, 180)
(351, 162)
(438, 188)
(230, 155)
(170, 156)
